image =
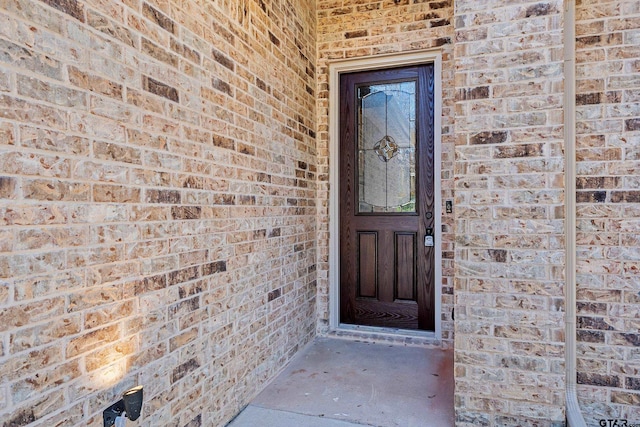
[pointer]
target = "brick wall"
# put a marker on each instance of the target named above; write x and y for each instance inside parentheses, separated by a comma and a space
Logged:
(349, 30)
(509, 196)
(608, 154)
(159, 176)
(157, 205)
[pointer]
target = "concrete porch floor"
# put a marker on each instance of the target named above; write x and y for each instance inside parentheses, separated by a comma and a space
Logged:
(341, 383)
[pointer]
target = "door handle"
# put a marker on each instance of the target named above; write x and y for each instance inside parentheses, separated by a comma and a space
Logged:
(428, 238)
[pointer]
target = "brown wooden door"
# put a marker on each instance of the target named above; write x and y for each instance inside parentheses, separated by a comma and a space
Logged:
(387, 198)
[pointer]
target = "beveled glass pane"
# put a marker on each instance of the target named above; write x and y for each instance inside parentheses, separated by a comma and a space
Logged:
(386, 117)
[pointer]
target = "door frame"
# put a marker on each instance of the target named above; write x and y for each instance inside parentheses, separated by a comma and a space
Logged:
(336, 68)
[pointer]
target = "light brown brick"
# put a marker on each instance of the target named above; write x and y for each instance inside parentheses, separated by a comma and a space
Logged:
(33, 337)
(92, 340)
(25, 314)
(114, 352)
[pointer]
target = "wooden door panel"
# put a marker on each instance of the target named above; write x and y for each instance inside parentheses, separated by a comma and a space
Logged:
(406, 266)
(367, 265)
(386, 314)
(386, 198)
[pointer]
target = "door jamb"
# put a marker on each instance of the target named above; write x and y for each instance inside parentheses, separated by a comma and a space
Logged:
(366, 64)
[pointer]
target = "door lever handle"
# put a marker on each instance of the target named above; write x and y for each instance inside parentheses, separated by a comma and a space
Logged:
(428, 240)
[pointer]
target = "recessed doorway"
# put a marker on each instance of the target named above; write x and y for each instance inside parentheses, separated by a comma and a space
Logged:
(385, 249)
(386, 198)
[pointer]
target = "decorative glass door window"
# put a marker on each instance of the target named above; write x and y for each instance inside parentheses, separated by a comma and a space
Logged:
(386, 133)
